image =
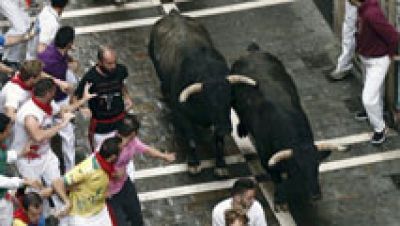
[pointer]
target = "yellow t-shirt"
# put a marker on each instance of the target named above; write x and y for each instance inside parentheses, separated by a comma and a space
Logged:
(18, 222)
(89, 186)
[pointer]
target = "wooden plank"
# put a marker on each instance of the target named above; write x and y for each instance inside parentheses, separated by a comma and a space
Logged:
(338, 17)
(389, 6)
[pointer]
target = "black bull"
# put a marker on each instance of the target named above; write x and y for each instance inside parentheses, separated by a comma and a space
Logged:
(272, 114)
(195, 80)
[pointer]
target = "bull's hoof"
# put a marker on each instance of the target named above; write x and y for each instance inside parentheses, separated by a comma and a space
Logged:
(221, 172)
(281, 207)
(194, 170)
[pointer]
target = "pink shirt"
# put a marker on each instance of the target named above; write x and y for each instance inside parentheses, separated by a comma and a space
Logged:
(135, 146)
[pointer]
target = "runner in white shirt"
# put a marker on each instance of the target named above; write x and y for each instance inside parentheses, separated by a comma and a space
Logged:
(16, 14)
(48, 23)
(18, 90)
(6, 183)
(243, 197)
(35, 123)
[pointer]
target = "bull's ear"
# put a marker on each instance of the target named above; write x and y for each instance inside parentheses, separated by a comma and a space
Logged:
(322, 155)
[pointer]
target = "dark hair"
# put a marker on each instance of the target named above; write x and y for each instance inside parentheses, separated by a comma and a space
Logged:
(231, 215)
(30, 69)
(43, 86)
(59, 3)
(129, 124)
(64, 36)
(242, 185)
(4, 122)
(31, 199)
(110, 147)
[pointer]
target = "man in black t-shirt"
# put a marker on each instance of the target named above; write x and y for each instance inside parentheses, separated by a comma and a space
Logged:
(109, 107)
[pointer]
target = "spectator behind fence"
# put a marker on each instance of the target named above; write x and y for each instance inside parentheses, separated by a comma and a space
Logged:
(344, 63)
(376, 44)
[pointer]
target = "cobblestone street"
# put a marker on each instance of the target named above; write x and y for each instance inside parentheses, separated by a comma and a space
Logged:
(298, 35)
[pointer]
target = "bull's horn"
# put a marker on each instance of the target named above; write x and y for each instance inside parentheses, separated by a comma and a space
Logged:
(279, 156)
(189, 90)
(235, 79)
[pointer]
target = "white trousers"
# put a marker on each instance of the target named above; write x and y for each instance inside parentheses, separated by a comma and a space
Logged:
(102, 218)
(6, 212)
(67, 135)
(15, 12)
(348, 38)
(374, 70)
(99, 139)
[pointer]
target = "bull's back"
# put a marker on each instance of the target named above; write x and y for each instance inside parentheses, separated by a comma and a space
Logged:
(275, 84)
(173, 37)
(272, 112)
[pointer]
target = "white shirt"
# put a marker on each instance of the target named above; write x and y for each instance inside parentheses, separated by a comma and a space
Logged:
(14, 11)
(48, 21)
(21, 136)
(255, 213)
(10, 182)
(13, 96)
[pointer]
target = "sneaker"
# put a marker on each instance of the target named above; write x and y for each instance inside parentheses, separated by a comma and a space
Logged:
(378, 137)
(337, 75)
(361, 116)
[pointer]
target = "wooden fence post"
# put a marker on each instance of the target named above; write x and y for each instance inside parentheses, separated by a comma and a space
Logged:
(338, 17)
(391, 86)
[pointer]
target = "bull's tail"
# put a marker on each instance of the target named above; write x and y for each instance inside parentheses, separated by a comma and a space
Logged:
(253, 47)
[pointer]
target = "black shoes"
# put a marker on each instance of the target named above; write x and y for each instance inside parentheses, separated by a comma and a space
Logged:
(337, 75)
(378, 137)
(361, 116)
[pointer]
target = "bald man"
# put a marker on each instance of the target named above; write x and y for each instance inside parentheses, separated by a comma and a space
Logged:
(109, 108)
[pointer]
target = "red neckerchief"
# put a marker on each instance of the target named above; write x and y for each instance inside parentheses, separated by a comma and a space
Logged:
(21, 215)
(44, 106)
(106, 166)
(17, 80)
